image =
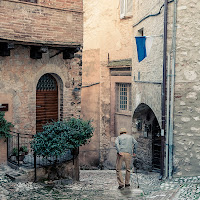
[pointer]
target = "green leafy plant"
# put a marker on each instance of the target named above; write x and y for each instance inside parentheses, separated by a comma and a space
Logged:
(57, 137)
(24, 149)
(5, 126)
(15, 152)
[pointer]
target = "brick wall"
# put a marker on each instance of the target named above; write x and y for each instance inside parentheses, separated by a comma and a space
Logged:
(66, 4)
(59, 22)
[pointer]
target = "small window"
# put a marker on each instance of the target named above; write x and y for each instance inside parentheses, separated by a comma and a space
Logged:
(141, 32)
(126, 8)
(123, 97)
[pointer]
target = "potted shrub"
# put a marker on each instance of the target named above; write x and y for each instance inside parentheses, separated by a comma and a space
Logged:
(14, 154)
(23, 150)
(57, 138)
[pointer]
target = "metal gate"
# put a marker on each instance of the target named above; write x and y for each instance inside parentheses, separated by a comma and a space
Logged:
(156, 145)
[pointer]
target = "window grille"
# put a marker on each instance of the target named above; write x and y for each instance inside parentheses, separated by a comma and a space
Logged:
(47, 83)
(123, 97)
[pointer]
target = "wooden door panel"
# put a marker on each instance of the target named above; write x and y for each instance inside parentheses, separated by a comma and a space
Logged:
(46, 101)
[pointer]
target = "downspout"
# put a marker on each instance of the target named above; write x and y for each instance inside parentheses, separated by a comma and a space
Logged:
(171, 128)
(168, 114)
(164, 88)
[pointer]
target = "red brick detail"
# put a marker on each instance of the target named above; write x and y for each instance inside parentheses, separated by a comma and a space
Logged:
(34, 23)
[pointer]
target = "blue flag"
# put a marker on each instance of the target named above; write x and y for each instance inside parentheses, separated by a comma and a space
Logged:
(143, 46)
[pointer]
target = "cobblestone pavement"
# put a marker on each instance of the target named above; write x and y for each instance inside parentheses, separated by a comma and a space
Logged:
(101, 184)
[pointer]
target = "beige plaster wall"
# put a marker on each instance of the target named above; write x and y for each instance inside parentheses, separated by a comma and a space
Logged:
(104, 33)
(90, 110)
(104, 30)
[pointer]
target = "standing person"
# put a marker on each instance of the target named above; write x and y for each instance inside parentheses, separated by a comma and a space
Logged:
(126, 147)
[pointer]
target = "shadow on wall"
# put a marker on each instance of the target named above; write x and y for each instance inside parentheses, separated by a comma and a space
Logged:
(147, 133)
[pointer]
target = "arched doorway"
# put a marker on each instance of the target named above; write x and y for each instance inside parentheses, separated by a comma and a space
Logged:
(46, 101)
(148, 132)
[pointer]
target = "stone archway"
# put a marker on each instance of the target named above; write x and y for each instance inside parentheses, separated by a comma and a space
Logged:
(147, 129)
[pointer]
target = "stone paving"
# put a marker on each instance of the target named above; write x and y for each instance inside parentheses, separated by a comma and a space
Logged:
(101, 184)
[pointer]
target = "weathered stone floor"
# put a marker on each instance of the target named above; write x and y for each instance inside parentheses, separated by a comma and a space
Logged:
(101, 184)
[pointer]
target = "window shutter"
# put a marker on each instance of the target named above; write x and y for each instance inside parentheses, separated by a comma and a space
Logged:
(122, 8)
(129, 7)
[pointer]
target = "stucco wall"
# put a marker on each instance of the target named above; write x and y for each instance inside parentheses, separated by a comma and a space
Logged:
(150, 69)
(90, 110)
(105, 33)
(104, 30)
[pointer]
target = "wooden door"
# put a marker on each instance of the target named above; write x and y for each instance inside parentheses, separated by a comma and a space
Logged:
(46, 101)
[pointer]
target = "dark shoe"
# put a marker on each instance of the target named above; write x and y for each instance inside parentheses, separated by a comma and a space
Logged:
(120, 187)
(127, 185)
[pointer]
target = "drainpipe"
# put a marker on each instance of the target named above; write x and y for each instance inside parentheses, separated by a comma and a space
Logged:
(171, 128)
(164, 88)
(168, 114)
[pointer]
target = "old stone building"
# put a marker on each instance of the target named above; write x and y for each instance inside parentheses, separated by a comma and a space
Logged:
(175, 147)
(106, 90)
(163, 104)
(40, 62)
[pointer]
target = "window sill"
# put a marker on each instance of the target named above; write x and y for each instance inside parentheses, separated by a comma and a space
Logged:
(126, 17)
(128, 113)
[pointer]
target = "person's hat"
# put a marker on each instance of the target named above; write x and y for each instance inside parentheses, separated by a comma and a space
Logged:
(122, 130)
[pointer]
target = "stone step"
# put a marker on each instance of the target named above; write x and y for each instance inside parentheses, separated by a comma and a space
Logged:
(17, 174)
(12, 175)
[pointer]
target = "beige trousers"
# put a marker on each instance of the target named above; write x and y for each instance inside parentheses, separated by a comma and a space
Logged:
(126, 157)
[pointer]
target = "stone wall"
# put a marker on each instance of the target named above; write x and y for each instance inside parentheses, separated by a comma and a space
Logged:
(5, 99)
(50, 22)
(187, 90)
(19, 75)
(62, 171)
(186, 144)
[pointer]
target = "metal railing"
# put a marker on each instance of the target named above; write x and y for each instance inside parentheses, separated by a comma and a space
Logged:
(20, 153)
(19, 150)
